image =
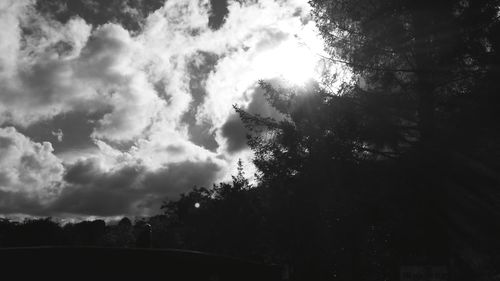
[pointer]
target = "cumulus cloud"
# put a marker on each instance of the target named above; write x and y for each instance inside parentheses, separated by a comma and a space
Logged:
(95, 73)
(29, 171)
(143, 93)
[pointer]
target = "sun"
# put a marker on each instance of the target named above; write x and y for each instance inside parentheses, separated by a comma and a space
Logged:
(291, 61)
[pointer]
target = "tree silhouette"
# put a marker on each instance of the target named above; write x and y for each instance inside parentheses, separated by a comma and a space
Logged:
(310, 165)
(431, 63)
(380, 153)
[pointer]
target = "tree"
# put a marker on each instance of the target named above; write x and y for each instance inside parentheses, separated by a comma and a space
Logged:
(225, 219)
(314, 176)
(384, 145)
(432, 61)
(87, 233)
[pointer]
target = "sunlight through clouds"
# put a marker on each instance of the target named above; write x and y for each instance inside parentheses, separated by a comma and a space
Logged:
(152, 98)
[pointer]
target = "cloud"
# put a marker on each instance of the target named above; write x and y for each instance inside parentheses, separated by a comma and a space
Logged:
(99, 76)
(28, 170)
(129, 14)
(92, 191)
(76, 126)
(12, 202)
(132, 189)
(135, 96)
(235, 133)
(255, 33)
(108, 61)
(58, 134)
(9, 35)
(218, 13)
(39, 83)
(199, 68)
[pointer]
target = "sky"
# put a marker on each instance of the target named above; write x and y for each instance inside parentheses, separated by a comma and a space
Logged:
(108, 108)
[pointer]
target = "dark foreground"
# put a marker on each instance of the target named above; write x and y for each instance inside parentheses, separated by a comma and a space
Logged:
(67, 263)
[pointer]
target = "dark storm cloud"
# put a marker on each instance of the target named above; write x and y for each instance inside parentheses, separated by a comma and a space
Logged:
(218, 13)
(129, 190)
(235, 133)
(181, 177)
(200, 134)
(12, 202)
(91, 191)
(75, 127)
(83, 172)
(131, 14)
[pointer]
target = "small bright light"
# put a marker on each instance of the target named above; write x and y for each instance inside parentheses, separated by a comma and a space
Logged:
(196, 205)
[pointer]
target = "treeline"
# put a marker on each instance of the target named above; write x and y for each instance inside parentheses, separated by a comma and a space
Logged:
(47, 232)
(228, 218)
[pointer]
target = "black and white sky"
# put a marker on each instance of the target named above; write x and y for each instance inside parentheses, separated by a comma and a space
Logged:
(109, 107)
